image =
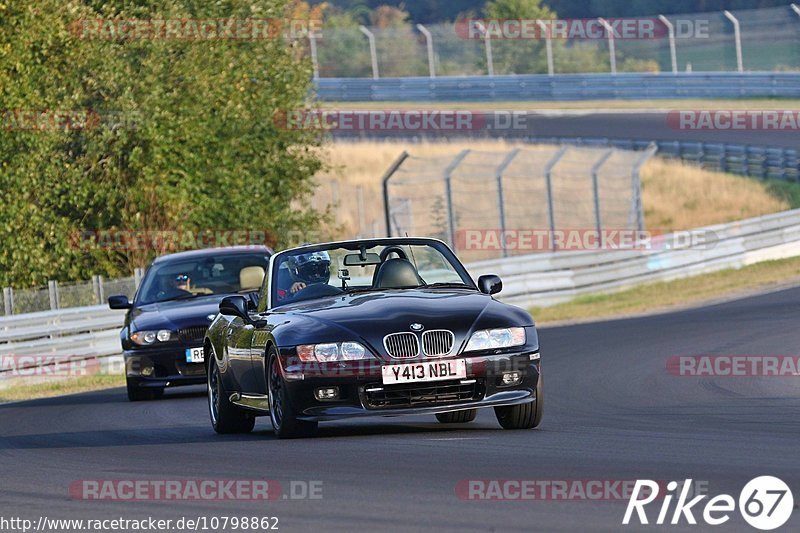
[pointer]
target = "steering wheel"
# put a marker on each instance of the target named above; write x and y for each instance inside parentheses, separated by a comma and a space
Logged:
(396, 249)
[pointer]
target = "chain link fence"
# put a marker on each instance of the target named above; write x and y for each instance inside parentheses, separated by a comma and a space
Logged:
(769, 40)
(63, 295)
(535, 190)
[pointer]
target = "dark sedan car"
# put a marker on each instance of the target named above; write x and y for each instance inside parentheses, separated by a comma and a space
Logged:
(162, 338)
(371, 327)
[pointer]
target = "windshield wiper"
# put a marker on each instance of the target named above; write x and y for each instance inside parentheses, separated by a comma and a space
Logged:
(452, 284)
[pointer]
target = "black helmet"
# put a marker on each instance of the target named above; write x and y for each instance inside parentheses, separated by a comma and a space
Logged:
(312, 267)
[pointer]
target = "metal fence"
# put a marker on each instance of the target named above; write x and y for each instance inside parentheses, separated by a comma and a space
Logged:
(563, 87)
(540, 188)
(59, 295)
(765, 39)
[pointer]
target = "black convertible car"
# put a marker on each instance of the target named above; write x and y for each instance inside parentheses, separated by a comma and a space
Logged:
(162, 338)
(371, 327)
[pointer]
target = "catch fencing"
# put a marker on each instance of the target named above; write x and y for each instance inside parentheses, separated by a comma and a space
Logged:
(537, 188)
(766, 39)
(62, 295)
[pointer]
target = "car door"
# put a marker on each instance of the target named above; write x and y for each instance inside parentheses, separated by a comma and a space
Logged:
(238, 339)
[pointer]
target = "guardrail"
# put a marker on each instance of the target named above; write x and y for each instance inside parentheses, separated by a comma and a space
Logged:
(561, 87)
(747, 160)
(539, 279)
(63, 337)
(550, 278)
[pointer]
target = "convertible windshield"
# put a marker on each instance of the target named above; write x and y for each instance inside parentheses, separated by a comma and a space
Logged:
(202, 276)
(320, 271)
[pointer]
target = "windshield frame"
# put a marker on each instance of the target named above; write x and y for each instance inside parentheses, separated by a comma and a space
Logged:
(137, 298)
(266, 300)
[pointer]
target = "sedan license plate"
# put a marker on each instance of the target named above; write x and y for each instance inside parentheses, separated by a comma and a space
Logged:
(195, 355)
(424, 371)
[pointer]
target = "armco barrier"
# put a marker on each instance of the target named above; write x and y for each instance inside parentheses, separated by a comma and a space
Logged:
(539, 279)
(549, 278)
(541, 87)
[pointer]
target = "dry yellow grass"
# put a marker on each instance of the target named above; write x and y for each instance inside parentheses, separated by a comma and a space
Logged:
(675, 195)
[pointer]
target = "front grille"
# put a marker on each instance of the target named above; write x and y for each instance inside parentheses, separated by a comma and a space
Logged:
(401, 345)
(377, 396)
(193, 334)
(437, 342)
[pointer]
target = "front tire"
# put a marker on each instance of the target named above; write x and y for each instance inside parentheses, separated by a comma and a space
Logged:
(524, 416)
(225, 416)
(457, 417)
(141, 394)
(281, 411)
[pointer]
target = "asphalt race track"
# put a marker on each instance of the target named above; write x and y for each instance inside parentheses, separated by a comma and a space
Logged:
(612, 413)
(646, 125)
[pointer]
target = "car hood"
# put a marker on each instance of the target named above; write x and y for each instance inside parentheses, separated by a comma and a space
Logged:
(176, 314)
(372, 315)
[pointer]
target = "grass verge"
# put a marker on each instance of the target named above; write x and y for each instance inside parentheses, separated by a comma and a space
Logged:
(30, 391)
(675, 294)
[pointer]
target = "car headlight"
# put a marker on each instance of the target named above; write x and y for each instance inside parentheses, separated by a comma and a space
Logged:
(147, 337)
(333, 351)
(489, 339)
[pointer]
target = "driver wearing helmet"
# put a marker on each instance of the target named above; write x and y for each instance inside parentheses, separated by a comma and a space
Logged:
(306, 270)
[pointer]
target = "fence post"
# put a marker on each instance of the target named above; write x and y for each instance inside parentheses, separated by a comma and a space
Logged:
(612, 50)
(429, 44)
(596, 192)
(97, 285)
(8, 300)
(673, 55)
(487, 43)
(637, 211)
(548, 43)
(548, 171)
(372, 50)
(448, 192)
(138, 274)
(738, 39)
(52, 287)
(385, 181)
(312, 45)
(501, 201)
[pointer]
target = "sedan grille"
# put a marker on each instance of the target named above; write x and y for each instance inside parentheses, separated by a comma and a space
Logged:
(401, 345)
(377, 396)
(193, 334)
(437, 342)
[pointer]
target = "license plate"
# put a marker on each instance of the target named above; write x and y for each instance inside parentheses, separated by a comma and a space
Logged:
(424, 371)
(195, 355)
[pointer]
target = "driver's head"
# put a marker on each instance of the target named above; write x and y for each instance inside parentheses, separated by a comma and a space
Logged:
(312, 267)
(181, 281)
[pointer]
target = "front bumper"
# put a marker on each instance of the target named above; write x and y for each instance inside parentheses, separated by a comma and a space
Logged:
(163, 367)
(362, 392)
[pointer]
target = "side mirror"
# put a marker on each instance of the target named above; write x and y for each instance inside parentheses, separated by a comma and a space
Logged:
(119, 301)
(490, 284)
(235, 306)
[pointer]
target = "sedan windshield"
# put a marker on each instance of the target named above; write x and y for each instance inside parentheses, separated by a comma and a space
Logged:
(202, 276)
(327, 271)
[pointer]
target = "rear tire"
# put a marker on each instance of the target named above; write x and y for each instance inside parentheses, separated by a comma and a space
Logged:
(225, 416)
(524, 416)
(141, 394)
(457, 417)
(281, 411)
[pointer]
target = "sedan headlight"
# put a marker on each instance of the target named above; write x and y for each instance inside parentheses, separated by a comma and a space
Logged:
(333, 351)
(146, 337)
(489, 339)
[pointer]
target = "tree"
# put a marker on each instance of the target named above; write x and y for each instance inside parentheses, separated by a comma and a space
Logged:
(181, 134)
